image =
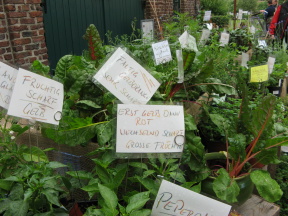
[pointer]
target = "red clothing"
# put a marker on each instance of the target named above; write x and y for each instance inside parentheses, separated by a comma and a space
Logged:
(275, 18)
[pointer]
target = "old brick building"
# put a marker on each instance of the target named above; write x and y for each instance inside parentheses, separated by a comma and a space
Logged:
(22, 31)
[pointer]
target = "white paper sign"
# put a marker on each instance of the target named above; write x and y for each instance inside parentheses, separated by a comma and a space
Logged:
(207, 16)
(187, 41)
(262, 43)
(240, 14)
(147, 27)
(162, 52)
(149, 128)
(126, 79)
(179, 56)
(252, 29)
(224, 39)
(7, 80)
(36, 98)
(271, 62)
(175, 200)
(245, 59)
(205, 36)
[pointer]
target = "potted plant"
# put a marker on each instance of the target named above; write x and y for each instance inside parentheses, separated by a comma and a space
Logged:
(250, 139)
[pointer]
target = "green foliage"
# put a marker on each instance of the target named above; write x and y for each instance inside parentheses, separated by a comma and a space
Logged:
(221, 20)
(217, 7)
(281, 178)
(40, 68)
(248, 5)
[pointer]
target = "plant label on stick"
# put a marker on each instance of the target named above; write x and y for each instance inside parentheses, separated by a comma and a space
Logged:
(259, 74)
(240, 14)
(207, 16)
(162, 52)
(187, 41)
(271, 62)
(8, 76)
(245, 59)
(252, 29)
(126, 79)
(175, 200)
(36, 98)
(179, 56)
(147, 27)
(224, 39)
(150, 129)
(205, 36)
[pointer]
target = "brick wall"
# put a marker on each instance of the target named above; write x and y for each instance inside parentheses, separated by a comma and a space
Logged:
(22, 33)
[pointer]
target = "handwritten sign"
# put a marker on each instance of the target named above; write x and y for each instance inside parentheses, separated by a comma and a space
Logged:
(149, 129)
(207, 16)
(187, 41)
(271, 62)
(7, 80)
(259, 73)
(126, 79)
(147, 27)
(224, 39)
(175, 200)
(162, 52)
(36, 98)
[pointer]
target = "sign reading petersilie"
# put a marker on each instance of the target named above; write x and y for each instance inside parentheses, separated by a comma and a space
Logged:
(149, 128)
(7, 80)
(37, 98)
(126, 79)
(175, 200)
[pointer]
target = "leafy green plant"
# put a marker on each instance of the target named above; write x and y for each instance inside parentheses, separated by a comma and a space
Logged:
(217, 7)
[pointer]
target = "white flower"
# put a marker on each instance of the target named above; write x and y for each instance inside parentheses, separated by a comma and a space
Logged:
(12, 137)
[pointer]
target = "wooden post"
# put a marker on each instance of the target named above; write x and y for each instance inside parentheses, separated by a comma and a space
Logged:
(235, 6)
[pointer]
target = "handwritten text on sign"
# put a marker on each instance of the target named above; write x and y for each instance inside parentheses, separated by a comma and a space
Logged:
(126, 79)
(36, 97)
(175, 200)
(149, 128)
(162, 52)
(7, 80)
(259, 74)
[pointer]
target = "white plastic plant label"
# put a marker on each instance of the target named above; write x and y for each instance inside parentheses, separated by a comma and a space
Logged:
(175, 200)
(36, 98)
(224, 39)
(271, 62)
(244, 59)
(7, 81)
(126, 79)
(187, 41)
(207, 16)
(205, 36)
(179, 56)
(262, 43)
(150, 129)
(147, 27)
(162, 52)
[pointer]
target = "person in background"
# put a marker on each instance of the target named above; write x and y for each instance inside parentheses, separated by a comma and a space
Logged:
(275, 3)
(268, 13)
(278, 25)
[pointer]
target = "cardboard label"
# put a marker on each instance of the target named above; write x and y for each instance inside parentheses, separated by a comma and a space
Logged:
(126, 79)
(224, 39)
(149, 128)
(162, 52)
(7, 81)
(207, 16)
(36, 98)
(187, 41)
(147, 27)
(259, 73)
(271, 62)
(178, 201)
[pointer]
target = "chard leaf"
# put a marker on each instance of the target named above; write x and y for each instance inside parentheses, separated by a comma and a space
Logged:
(267, 187)
(237, 146)
(190, 124)
(225, 188)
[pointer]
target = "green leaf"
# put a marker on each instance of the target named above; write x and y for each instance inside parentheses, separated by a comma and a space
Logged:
(19, 129)
(28, 193)
(103, 174)
(149, 184)
(178, 176)
(81, 174)
(118, 178)
(148, 173)
(39, 68)
(104, 132)
(138, 165)
(6, 185)
(143, 212)
(19, 208)
(87, 104)
(17, 192)
(109, 197)
(222, 123)
(52, 196)
(107, 158)
(34, 154)
(55, 165)
(226, 188)
(4, 204)
(237, 145)
(137, 201)
(267, 187)
(190, 124)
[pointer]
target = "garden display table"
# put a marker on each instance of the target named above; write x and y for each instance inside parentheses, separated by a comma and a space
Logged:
(256, 206)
